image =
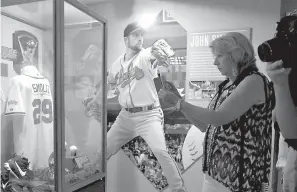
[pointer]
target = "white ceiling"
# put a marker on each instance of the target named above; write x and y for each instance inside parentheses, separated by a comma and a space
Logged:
(41, 13)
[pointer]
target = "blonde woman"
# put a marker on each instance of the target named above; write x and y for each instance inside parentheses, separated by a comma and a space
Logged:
(237, 122)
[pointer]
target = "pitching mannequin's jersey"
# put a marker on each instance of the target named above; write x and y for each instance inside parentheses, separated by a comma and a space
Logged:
(30, 95)
(134, 80)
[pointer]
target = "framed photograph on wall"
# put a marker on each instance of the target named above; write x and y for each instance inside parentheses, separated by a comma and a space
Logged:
(26, 45)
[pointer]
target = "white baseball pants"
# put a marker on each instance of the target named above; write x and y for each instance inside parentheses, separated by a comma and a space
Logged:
(148, 125)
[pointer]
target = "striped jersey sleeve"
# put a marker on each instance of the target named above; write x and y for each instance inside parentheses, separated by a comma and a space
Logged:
(14, 103)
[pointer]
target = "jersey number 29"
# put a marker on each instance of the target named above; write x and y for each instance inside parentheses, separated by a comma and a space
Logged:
(43, 110)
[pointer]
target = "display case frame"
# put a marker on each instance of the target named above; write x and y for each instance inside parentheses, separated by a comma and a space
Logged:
(58, 96)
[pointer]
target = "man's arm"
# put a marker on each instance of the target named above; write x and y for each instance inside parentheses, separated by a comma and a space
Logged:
(285, 110)
(158, 55)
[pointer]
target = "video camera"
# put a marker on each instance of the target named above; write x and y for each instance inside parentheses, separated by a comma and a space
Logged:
(284, 45)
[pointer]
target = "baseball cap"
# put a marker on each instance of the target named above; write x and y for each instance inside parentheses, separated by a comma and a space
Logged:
(132, 27)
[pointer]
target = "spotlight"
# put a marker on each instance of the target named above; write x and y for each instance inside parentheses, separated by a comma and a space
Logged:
(147, 20)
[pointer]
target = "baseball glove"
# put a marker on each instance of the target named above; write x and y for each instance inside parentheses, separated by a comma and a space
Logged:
(168, 86)
(161, 50)
(167, 109)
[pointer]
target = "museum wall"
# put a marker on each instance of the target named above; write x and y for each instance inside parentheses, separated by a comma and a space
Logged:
(288, 6)
(194, 16)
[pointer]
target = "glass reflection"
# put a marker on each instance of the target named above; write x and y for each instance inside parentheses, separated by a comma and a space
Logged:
(83, 63)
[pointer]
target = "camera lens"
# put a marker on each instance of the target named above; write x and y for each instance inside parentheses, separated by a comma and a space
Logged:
(264, 52)
(271, 50)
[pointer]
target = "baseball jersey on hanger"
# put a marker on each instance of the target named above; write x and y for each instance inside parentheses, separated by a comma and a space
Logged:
(30, 95)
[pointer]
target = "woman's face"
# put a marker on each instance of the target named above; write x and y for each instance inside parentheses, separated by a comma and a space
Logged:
(224, 64)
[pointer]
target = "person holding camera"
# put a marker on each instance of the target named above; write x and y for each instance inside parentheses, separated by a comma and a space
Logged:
(237, 122)
(280, 53)
(286, 117)
(285, 109)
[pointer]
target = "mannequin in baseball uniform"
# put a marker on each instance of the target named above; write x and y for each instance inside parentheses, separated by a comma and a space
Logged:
(29, 107)
(141, 115)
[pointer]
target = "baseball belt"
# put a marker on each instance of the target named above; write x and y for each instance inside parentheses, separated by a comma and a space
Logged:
(141, 109)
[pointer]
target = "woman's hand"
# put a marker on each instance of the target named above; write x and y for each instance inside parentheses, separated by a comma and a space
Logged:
(277, 73)
(168, 97)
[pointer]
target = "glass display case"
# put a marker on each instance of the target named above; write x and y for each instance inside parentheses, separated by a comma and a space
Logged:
(53, 114)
